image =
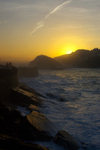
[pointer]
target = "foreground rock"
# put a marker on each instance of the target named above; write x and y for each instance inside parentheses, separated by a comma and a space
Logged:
(14, 125)
(34, 126)
(22, 97)
(7, 142)
(15, 129)
(66, 140)
(44, 129)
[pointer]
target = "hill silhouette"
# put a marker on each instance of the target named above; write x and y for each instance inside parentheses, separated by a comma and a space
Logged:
(81, 58)
(45, 62)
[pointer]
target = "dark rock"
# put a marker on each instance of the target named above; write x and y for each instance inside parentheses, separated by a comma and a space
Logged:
(13, 124)
(66, 140)
(26, 88)
(23, 98)
(9, 143)
(34, 126)
(42, 126)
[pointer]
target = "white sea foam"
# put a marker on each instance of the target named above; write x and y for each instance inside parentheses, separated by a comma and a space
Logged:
(72, 102)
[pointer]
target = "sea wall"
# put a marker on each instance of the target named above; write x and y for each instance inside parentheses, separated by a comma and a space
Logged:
(8, 79)
(27, 72)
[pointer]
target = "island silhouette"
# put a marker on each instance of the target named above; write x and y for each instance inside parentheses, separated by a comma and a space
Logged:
(80, 58)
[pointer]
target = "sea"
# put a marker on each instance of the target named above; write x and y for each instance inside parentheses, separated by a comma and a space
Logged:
(71, 102)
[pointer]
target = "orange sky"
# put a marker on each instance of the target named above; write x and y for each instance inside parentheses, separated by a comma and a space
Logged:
(48, 27)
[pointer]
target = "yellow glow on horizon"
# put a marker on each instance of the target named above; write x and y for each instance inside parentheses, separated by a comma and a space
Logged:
(69, 51)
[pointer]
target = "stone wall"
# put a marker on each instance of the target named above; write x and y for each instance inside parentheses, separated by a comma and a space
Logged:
(8, 80)
(27, 72)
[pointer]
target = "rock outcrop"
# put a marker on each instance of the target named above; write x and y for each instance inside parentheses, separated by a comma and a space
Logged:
(22, 97)
(66, 140)
(14, 125)
(34, 126)
(43, 127)
(7, 142)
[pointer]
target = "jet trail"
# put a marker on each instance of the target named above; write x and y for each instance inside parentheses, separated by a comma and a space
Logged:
(57, 8)
(41, 24)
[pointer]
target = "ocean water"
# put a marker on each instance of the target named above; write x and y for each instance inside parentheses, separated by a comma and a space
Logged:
(72, 102)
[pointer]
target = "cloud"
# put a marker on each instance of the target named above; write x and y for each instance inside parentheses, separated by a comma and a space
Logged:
(57, 8)
(41, 24)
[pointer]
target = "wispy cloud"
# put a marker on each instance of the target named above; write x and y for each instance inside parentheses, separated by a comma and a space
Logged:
(57, 8)
(41, 24)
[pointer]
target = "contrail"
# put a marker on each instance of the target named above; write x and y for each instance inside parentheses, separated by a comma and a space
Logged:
(41, 24)
(57, 8)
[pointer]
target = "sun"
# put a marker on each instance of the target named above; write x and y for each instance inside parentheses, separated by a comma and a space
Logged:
(69, 51)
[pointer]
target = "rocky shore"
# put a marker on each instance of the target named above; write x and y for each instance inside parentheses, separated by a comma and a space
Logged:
(20, 130)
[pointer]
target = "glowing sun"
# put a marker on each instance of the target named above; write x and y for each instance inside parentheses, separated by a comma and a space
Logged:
(69, 51)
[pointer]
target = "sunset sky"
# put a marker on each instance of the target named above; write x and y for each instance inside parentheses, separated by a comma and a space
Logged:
(51, 27)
